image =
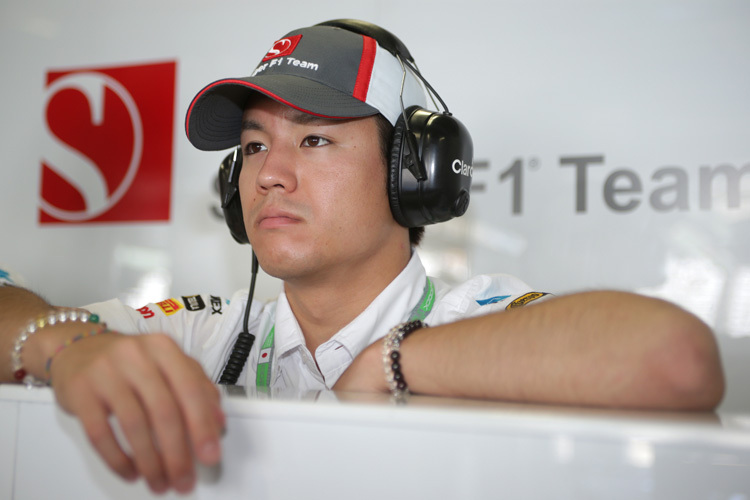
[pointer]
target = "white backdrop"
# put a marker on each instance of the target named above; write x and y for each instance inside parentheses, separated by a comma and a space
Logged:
(611, 144)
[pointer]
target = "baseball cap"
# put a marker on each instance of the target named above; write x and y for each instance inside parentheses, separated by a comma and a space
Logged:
(325, 71)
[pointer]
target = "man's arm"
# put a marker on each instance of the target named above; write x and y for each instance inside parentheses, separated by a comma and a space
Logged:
(609, 349)
(167, 408)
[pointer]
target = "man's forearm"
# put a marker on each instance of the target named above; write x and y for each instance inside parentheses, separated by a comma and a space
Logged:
(602, 349)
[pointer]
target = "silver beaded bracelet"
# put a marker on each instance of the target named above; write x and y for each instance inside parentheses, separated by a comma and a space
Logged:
(52, 318)
(392, 358)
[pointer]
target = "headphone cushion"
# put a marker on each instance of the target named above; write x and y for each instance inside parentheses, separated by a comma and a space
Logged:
(235, 221)
(230, 195)
(394, 172)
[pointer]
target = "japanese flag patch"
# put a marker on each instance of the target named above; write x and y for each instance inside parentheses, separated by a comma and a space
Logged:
(265, 356)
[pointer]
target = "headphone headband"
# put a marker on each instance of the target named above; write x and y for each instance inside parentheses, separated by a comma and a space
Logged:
(385, 38)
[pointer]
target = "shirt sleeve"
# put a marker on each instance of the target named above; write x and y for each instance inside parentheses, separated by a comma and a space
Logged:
(7, 277)
(481, 295)
(189, 320)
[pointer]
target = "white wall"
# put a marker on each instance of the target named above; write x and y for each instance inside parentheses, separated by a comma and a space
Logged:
(656, 92)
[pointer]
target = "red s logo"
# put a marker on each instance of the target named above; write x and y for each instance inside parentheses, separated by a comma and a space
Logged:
(282, 47)
(107, 151)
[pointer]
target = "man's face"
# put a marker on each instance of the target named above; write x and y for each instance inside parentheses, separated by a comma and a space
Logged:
(313, 193)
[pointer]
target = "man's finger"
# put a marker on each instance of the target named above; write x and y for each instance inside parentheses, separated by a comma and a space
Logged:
(161, 413)
(119, 396)
(95, 423)
(198, 398)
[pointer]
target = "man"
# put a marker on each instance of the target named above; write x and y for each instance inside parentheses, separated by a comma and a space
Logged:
(315, 206)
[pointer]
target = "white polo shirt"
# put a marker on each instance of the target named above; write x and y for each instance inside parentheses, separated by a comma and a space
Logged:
(206, 326)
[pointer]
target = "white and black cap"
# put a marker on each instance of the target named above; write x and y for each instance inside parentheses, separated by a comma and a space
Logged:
(325, 71)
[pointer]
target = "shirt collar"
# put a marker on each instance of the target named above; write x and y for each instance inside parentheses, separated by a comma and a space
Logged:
(391, 307)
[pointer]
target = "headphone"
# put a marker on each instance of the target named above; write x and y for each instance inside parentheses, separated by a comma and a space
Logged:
(429, 171)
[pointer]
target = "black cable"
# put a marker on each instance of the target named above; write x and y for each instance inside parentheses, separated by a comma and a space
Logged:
(415, 72)
(244, 343)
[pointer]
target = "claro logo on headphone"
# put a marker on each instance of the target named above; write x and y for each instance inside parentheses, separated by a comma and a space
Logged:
(107, 147)
(462, 168)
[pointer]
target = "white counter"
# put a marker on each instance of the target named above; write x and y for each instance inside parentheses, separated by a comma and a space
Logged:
(349, 446)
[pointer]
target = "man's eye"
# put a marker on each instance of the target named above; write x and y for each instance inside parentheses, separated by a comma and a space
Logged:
(254, 147)
(314, 141)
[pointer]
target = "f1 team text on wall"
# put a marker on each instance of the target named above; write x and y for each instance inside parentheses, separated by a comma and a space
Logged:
(667, 189)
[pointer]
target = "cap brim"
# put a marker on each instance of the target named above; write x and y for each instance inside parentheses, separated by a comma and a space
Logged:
(214, 118)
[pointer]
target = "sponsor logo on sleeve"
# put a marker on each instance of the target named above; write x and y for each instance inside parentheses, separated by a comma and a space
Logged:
(193, 302)
(146, 312)
(170, 306)
(525, 299)
(5, 278)
(215, 305)
(492, 300)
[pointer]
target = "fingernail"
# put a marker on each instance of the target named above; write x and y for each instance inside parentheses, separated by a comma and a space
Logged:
(130, 475)
(185, 483)
(221, 417)
(210, 452)
(159, 485)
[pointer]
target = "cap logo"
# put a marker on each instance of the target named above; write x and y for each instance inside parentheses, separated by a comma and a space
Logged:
(282, 47)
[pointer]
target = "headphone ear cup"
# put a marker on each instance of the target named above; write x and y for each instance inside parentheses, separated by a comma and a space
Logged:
(229, 175)
(430, 171)
(394, 172)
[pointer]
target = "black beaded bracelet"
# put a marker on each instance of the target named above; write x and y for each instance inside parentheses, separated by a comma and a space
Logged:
(392, 357)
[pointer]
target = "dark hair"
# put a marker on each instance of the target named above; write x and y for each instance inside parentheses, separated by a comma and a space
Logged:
(385, 135)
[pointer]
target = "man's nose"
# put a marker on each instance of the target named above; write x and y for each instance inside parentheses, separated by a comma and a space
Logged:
(278, 169)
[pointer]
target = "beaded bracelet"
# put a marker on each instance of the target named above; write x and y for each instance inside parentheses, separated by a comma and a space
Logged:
(48, 377)
(52, 318)
(392, 357)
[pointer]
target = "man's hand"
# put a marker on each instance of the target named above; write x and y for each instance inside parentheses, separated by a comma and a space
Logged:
(167, 408)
